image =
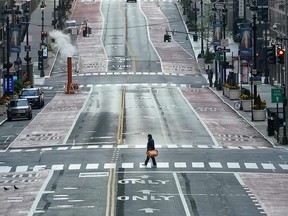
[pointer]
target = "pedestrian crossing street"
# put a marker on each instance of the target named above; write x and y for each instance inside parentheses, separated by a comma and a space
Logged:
(107, 146)
(196, 165)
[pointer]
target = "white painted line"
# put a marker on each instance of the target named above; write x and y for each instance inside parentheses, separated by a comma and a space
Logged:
(284, 166)
(74, 167)
(76, 147)
(92, 146)
(21, 169)
(127, 165)
(39, 195)
(267, 166)
(4, 169)
(15, 150)
(46, 149)
(198, 165)
(109, 165)
(107, 146)
(31, 150)
(62, 148)
(142, 166)
(233, 147)
(181, 195)
(163, 165)
(233, 165)
(89, 85)
(247, 147)
(251, 165)
(58, 167)
(122, 146)
(239, 179)
(172, 146)
(38, 168)
(92, 166)
(180, 165)
(202, 146)
(215, 165)
(187, 146)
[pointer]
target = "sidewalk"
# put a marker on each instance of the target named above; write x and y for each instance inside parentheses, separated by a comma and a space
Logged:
(34, 35)
(263, 90)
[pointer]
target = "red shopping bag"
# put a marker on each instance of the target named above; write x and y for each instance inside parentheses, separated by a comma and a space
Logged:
(152, 153)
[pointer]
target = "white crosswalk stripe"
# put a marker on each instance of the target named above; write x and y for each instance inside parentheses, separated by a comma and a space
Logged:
(251, 165)
(21, 168)
(165, 165)
(215, 165)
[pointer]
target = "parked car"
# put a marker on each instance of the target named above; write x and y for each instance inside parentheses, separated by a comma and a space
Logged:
(132, 1)
(35, 96)
(19, 108)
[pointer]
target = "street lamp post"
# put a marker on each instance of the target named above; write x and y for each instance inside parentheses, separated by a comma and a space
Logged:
(202, 40)
(27, 46)
(224, 14)
(254, 8)
(7, 64)
(214, 9)
(42, 7)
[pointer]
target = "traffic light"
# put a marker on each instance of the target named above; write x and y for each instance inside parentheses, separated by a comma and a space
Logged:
(84, 29)
(271, 55)
(167, 38)
(40, 59)
(43, 35)
(280, 55)
(89, 30)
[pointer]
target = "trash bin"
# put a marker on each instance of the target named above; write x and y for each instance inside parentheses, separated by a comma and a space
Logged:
(271, 126)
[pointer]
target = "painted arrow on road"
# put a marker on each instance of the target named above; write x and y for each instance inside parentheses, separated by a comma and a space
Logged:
(149, 210)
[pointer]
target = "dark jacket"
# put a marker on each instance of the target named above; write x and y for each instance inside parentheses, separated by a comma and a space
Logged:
(150, 144)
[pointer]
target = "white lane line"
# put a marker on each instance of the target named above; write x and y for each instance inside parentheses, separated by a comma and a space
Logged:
(122, 146)
(127, 165)
(180, 165)
(181, 195)
(21, 168)
(39, 195)
(92, 166)
(4, 169)
(163, 164)
(62, 148)
(172, 146)
(109, 165)
(284, 166)
(74, 167)
(76, 147)
(198, 165)
(233, 165)
(38, 168)
(251, 165)
(267, 166)
(215, 165)
(58, 167)
(239, 179)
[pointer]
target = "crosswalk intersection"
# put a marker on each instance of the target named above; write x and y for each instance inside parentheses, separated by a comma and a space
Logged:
(194, 165)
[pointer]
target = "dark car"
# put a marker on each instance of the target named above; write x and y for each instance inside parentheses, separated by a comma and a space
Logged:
(132, 1)
(19, 108)
(35, 96)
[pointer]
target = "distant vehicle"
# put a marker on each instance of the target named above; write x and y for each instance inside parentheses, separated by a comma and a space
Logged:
(71, 27)
(132, 1)
(35, 96)
(19, 108)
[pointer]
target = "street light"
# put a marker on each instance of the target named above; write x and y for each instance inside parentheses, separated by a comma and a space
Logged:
(202, 40)
(214, 9)
(7, 80)
(254, 8)
(42, 7)
(27, 46)
(224, 24)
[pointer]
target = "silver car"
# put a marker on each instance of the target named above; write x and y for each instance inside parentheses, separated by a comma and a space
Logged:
(19, 108)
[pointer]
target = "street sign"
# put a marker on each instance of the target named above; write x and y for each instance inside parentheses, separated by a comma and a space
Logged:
(224, 43)
(225, 50)
(277, 95)
(219, 56)
(257, 80)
